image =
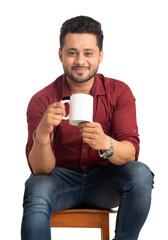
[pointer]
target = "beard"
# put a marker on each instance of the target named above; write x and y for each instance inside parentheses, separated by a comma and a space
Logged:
(81, 77)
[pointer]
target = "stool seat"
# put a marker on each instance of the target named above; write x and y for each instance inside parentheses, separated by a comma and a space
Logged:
(83, 218)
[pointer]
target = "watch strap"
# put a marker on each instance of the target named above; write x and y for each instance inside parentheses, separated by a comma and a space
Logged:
(109, 152)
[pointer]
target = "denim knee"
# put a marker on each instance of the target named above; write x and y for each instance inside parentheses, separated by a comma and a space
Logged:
(38, 195)
(137, 172)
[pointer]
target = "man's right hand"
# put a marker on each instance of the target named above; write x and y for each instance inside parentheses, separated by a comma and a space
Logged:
(39, 156)
(52, 118)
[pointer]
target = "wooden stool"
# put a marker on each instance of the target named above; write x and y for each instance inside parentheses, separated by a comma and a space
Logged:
(83, 218)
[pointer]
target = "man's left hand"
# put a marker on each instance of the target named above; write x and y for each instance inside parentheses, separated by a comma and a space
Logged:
(93, 134)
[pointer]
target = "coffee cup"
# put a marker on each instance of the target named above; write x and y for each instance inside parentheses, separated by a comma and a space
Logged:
(81, 109)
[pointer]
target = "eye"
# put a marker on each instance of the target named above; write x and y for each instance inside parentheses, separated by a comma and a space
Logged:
(88, 54)
(72, 53)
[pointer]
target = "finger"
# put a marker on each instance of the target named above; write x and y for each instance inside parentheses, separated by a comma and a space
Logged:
(89, 124)
(56, 121)
(87, 140)
(88, 135)
(57, 117)
(58, 105)
(90, 142)
(55, 111)
(84, 124)
(59, 111)
(89, 130)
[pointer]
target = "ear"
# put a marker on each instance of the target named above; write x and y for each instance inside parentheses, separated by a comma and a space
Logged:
(101, 56)
(60, 54)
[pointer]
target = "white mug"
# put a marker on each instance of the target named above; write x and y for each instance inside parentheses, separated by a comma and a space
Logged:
(81, 109)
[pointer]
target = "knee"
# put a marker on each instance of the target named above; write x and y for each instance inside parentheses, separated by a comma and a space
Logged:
(38, 193)
(40, 185)
(138, 172)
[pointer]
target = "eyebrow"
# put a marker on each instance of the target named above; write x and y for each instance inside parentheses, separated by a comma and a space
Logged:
(89, 49)
(71, 49)
(75, 49)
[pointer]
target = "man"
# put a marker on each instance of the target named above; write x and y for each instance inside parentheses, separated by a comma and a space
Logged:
(95, 164)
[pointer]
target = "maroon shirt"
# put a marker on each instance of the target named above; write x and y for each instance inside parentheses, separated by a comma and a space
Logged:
(114, 109)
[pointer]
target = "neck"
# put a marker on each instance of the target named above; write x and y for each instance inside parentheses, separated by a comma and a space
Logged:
(80, 87)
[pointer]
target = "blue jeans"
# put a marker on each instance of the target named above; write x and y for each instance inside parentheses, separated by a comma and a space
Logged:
(105, 187)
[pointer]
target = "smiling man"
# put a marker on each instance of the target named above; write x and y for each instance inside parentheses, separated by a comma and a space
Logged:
(80, 64)
(95, 164)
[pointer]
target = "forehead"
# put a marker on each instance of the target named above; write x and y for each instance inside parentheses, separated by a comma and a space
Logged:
(80, 41)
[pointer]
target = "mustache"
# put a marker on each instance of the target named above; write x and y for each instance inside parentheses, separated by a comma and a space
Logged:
(81, 67)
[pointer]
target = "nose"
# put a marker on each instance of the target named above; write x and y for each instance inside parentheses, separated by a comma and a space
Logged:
(79, 60)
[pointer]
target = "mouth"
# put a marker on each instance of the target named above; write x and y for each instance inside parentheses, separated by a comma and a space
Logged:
(80, 69)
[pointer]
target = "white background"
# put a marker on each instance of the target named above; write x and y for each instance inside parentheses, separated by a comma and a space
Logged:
(135, 51)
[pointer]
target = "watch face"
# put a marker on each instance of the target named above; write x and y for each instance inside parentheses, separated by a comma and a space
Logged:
(108, 155)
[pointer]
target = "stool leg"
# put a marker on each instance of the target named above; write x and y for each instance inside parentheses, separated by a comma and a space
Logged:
(105, 228)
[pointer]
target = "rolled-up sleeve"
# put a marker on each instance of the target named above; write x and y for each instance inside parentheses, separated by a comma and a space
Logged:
(124, 122)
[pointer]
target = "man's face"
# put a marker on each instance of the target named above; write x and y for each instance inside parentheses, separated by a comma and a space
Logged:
(80, 56)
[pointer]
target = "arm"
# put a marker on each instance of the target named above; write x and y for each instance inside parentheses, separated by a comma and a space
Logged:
(124, 130)
(94, 135)
(41, 158)
(124, 152)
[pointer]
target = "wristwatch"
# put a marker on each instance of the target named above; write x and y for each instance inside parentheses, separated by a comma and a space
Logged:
(109, 152)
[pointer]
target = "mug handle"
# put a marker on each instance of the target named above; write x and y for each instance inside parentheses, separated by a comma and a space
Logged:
(66, 101)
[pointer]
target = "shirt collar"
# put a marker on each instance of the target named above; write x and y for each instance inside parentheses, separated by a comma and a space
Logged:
(97, 88)
(65, 89)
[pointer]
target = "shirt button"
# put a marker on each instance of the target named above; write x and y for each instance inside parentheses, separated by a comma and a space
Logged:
(84, 150)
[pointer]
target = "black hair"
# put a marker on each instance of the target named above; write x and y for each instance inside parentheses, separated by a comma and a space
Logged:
(82, 24)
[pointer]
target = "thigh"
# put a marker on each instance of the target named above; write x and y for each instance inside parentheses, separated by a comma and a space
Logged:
(105, 185)
(60, 189)
(101, 190)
